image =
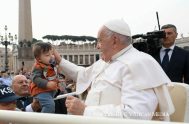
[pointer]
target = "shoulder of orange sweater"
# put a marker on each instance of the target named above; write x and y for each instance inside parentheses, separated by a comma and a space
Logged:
(39, 65)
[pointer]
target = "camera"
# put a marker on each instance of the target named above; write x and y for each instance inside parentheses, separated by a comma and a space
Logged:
(150, 35)
(149, 42)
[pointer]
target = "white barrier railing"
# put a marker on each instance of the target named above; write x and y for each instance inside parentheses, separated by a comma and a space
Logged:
(39, 118)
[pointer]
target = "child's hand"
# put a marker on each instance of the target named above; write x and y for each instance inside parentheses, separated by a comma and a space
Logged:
(52, 85)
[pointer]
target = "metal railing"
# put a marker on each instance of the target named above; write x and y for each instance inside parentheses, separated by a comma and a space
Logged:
(43, 118)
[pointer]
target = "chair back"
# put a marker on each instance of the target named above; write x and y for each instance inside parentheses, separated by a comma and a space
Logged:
(180, 96)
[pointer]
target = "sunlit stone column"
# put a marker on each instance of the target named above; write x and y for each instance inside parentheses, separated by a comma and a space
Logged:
(25, 55)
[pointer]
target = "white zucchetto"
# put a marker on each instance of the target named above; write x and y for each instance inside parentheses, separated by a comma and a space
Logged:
(119, 26)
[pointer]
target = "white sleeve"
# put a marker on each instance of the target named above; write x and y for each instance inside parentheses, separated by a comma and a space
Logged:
(29, 108)
(81, 75)
(70, 69)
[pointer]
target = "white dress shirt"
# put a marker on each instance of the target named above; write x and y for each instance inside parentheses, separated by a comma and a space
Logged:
(162, 52)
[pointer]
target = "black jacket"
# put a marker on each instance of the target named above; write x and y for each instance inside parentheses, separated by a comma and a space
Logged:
(22, 102)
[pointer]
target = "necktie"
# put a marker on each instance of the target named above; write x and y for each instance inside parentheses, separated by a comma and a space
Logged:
(165, 60)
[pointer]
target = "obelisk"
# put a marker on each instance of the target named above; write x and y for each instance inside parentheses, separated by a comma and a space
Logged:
(25, 56)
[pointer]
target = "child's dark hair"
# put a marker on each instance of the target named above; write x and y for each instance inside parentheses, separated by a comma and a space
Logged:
(41, 47)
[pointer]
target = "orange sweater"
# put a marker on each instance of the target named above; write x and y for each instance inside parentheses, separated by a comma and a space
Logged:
(42, 71)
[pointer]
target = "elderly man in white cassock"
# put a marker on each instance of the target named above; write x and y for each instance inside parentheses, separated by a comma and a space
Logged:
(125, 83)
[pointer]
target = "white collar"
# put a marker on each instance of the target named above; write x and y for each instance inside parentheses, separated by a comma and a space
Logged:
(121, 52)
(171, 47)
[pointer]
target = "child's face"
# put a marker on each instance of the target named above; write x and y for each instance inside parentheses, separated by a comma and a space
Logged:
(46, 57)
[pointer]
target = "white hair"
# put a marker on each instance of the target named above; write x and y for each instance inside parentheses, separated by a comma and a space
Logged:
(124, 39)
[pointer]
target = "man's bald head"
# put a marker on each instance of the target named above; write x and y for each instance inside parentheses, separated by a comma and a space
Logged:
(20, 85)
(17, 77)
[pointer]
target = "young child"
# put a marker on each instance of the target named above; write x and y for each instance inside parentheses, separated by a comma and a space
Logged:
(44, 76)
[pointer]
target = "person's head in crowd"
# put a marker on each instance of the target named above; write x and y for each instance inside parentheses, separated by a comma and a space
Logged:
(171, 35)
(7, 98)
(5, 75)
(20, 85)
(43, 53)
(1, 82)
(28, 74)
(12, 72)
(114, 36)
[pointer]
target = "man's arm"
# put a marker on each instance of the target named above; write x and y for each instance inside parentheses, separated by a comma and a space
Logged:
(69, 69)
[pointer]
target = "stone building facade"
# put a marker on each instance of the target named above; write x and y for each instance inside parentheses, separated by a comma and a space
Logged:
(84, 55)
(183, 42)
(2, 59)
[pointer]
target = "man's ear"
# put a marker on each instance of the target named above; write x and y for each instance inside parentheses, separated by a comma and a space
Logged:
(115, 38)
(176, 35)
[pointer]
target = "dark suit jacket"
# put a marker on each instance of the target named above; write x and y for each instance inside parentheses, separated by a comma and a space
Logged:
(20, 102)
(178, 67)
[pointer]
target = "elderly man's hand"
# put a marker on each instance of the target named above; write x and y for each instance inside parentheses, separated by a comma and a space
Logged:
(74, 105)
(56, 55)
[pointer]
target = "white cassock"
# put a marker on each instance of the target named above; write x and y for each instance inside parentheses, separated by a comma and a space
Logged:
(132, 85)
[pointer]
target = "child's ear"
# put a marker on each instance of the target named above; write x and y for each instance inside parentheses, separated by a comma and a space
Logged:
(38, 59)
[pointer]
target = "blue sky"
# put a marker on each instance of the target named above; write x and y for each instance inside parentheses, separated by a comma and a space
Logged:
(84, 17)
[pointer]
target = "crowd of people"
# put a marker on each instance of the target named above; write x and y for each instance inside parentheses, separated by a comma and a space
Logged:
(124, 83)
